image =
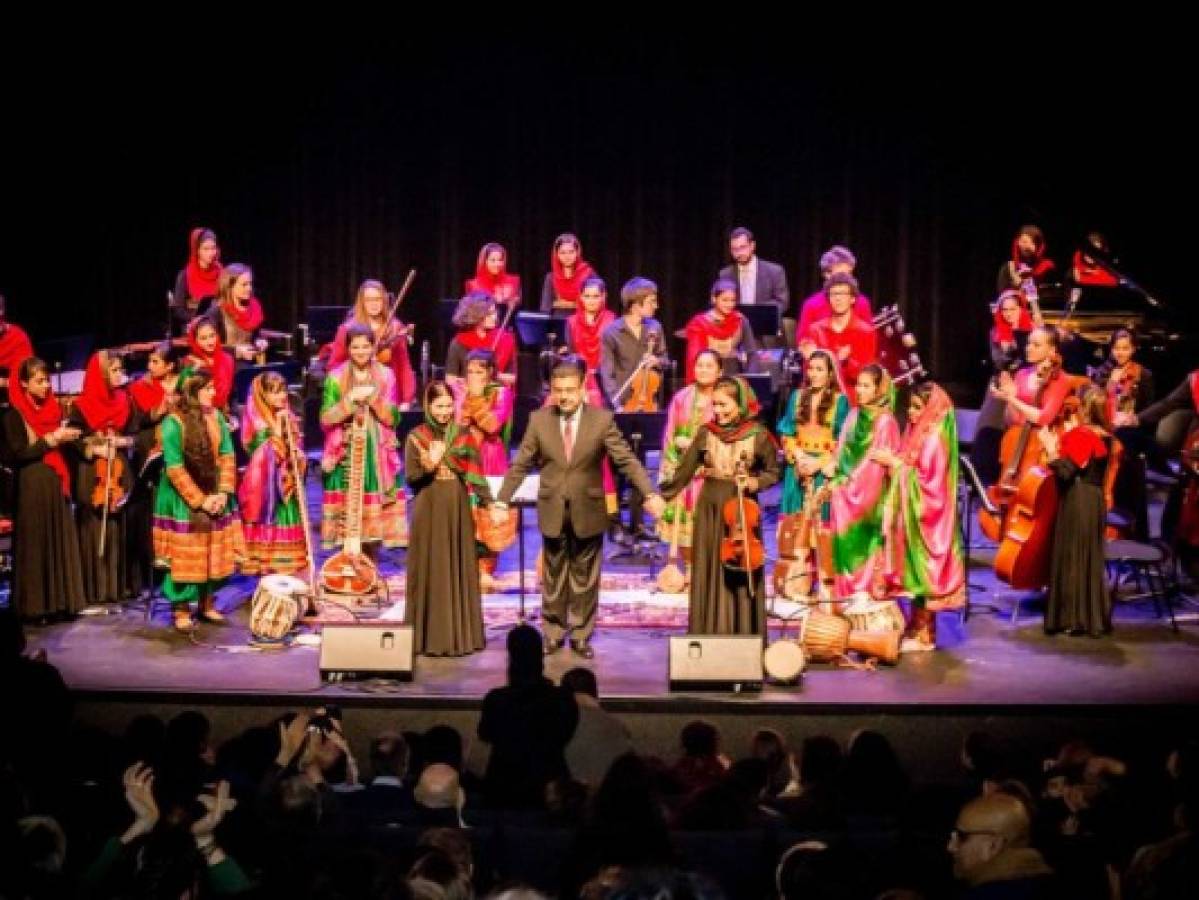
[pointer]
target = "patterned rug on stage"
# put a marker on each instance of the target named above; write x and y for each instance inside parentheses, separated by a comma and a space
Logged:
(627, 600)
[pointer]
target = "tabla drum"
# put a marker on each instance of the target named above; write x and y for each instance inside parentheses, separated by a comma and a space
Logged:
(825, 637)
(784, 660)
(866, 614)
(277, 603)
(496, 538)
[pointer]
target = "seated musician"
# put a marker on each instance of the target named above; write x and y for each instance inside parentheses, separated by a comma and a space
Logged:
(15, 348)
(237, 314)
(568, 272)
(851, 341)
(492, 276)
(722, 329)
(477, 321)
(1085, 270)
(1028, 258)
(1010, 331)
(1036, 392)
(758, 282)
(370, 308)
(837, 260)
(634, 338)
(196, 283)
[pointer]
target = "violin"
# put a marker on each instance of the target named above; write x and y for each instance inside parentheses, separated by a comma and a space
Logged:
(643, 385)
(108, 492)
(741, 549)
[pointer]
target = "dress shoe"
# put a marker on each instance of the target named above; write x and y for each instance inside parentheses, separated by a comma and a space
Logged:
(583, 648)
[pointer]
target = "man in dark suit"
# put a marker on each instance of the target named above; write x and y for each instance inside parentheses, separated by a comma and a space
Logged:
(758, 282)
(567, 441)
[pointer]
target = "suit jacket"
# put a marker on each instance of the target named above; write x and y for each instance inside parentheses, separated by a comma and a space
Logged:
(573, 487)
(770, 287)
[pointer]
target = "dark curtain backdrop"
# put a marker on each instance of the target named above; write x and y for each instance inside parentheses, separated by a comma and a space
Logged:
(320, 169)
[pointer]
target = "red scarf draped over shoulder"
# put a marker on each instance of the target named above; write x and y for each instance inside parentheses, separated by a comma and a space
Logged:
(584, 338)
(1041, 265)
(569, 288)
(102, 405)
(201, 282)
(500, 286)
(1002, 332)
(505, 347)
(147, 393)
(15, 348)
(42, 418)
(248, 319)
(218, 363)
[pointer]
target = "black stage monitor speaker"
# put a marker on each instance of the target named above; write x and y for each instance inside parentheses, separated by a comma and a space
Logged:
(371, 650)
(716, 662)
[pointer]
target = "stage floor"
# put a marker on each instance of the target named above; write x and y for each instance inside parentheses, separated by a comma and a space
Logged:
(986, 662)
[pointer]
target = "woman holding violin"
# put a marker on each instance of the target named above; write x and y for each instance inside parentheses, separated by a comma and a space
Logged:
(103, 476)
(370, 309)
(739, 459)
(478, 324)
(1128, 386)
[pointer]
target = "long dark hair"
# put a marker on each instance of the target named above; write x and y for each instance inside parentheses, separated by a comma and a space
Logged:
(1103, 374)
(828, 397)
(198, 456)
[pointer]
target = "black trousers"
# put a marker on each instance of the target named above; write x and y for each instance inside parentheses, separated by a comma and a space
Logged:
(570, 584)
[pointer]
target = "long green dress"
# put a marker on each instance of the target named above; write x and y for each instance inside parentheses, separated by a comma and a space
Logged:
(199, 549)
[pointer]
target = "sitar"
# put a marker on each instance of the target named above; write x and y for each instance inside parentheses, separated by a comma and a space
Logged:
(350, 571)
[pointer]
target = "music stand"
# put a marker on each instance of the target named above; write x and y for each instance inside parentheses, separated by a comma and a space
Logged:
(643, 431)
(524, 497)
(533, 327)
(323, 322)
(763, 318)
(970, 490)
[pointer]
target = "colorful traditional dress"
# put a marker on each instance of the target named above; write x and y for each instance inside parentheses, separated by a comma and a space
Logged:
(721, 600)
(443, 601)
(384, 517)
(392, 352)
(200, 549)
(924, 546)
(269, 496)
(858, 498)
(805, 438)
(689, 411)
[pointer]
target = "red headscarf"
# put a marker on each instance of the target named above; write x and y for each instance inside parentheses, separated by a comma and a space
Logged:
(1041, 266)
(501, 286)
(584, 339)
(569, 288)
(42, 418)
(1002, 332)
(15, 348)
(219, 363)
(102, 405)
(201, 282)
